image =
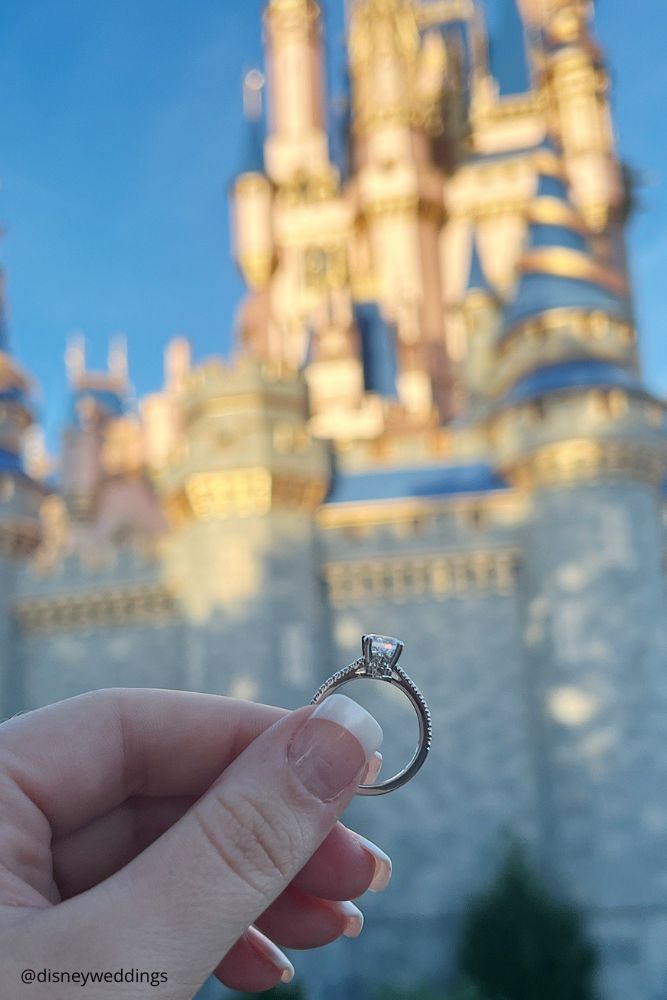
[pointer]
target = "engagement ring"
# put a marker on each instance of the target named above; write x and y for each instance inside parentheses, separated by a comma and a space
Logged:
(379, 662)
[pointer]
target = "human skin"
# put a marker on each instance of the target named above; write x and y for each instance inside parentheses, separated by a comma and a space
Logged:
(180, 832)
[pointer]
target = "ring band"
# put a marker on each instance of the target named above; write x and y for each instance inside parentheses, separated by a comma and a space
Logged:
(379, 662)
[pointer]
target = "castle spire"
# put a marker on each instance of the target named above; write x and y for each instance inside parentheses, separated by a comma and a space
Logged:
(477, 279)
(480, 307)
(252, 194)
(297, 141)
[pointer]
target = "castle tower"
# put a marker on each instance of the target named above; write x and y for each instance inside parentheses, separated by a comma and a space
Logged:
(579, 433)
(576, 84)
(399, 192)
(241, 556)
(20, 499)
(567, 305)
(105, 483)
(298, 142)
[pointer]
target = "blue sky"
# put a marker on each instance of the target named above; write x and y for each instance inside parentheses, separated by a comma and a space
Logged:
(119, 130)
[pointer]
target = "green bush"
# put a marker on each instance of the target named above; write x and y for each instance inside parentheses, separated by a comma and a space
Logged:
(518, 942)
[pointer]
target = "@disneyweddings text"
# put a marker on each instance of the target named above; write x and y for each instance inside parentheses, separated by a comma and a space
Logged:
(83, 978)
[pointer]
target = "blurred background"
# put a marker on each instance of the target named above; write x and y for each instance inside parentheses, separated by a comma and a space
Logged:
(329, 318)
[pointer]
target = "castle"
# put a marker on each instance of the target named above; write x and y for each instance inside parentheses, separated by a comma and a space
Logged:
(433, 426)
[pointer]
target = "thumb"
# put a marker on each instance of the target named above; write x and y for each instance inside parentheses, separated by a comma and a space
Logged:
(192, 893)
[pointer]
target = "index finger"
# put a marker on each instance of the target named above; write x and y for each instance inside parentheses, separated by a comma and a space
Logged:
(80, 758)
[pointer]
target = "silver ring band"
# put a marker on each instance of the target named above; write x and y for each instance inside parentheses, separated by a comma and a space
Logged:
(379, 662)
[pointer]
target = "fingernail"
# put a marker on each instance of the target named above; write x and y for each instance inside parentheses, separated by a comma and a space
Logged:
(383, 866)
(354, 919)
(332, 746)
(373, 768)
(268, 950)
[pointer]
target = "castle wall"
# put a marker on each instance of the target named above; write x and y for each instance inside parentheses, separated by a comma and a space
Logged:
(84, 627)
(595, 625)
(253, 601)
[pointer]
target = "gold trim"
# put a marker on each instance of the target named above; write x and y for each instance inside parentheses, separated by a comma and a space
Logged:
(584, 324)
(243, 493)
(379, 513)
(565, 463)
(567, 263)
(237, 493)
(292, 15)
(430, 576)
(410, 204)
(441, 11)
(234, 402)
(115, 608)
(550, 211)
(546, 161)
(482, 210)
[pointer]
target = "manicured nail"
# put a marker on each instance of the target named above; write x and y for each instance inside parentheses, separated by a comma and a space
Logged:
(329, 751)
(354, 919)
(373, 769)
(270, 952)
(382, 864)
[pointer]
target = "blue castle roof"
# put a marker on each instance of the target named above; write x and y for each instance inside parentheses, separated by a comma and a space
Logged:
(540, 290)
(572, 375)
(433, 481)
(378, 349)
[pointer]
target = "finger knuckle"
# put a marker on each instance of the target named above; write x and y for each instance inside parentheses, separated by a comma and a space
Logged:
(252, 841)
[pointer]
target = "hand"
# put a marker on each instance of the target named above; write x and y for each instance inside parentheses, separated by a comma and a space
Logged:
(148, 830)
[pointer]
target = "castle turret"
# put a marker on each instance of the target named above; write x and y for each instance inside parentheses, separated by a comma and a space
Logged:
(241, 555)
(20, 500)
(567, 305)
(96, 398)
(399, 193)
(298, 142)
(252, 195)
(579, 434)
(105, 466)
